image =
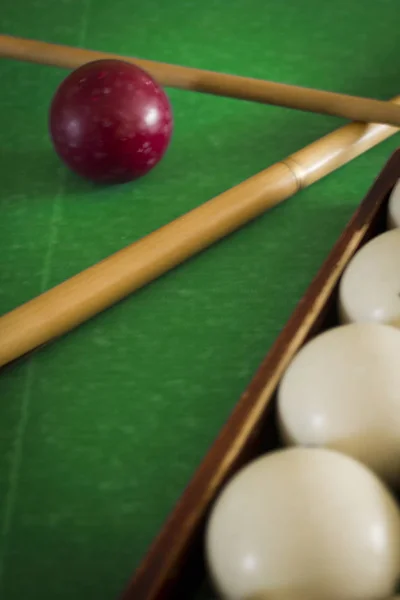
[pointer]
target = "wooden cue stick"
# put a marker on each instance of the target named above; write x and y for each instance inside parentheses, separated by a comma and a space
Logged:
(64, 307)
(317, 101)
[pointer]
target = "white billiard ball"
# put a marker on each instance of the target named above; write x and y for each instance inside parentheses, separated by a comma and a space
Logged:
(304, 523)
(393, 219)
(369, 289)
(342, 391)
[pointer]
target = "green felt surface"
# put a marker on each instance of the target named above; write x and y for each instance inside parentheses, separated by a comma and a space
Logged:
(100, 432)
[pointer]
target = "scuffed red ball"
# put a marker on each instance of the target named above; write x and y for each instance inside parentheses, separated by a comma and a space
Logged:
(110, 121)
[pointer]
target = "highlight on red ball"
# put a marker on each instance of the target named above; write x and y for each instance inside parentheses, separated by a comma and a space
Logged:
(110, 121)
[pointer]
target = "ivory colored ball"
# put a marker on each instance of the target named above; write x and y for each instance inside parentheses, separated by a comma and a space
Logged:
(304, 524)
(394, 207)
(369, 289)
(342, 391)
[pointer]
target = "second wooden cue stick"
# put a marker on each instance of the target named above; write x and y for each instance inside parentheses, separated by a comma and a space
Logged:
(209, 82)
(64, 307)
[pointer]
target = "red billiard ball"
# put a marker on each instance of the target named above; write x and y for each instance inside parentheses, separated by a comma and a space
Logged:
(110, 121)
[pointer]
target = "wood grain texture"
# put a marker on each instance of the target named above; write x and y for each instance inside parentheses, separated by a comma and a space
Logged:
(366, 110)
(174, 562)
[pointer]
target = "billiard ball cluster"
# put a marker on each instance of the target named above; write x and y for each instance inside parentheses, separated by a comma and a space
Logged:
(110, 121)
(319, 518)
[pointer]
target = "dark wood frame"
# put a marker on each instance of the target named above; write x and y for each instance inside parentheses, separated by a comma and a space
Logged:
(174, 562)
